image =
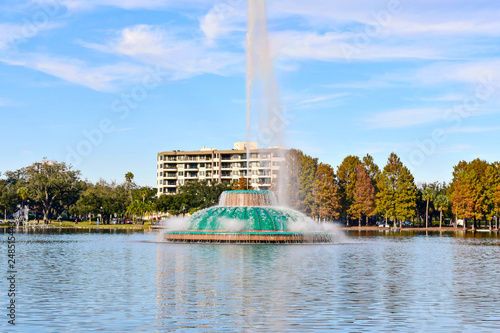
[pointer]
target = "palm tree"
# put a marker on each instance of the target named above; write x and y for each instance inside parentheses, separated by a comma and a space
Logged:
(442, 202)
(23, 194)
(129, 178)
(428, 195)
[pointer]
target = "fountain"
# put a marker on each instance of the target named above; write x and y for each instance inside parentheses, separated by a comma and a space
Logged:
(253, 216)
(250, 217)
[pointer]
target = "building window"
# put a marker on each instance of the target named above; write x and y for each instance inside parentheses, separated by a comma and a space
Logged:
(202, 173)
(180, 173)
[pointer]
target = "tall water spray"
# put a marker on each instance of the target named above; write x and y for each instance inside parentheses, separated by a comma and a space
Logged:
(263, 101)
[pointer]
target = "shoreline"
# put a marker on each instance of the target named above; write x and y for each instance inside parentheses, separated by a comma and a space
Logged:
(157, 227)
(372, 228)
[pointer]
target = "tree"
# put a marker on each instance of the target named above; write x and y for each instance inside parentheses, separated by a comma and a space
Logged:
(23, 194)
(346, 174)
(8, 197)
(129, 177)
(406, 196)
(326, 193)
(47, 181)
(492, 182)
(442, 203)
(192, 196)
(364, 196)
(397, 194)
(102, 198)
(241, 185)
(468, 192)
(428, 194)
(129, 180)
(301, 170)
(372, 169)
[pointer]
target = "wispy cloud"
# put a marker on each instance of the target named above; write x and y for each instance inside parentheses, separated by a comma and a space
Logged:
(85, 5)
(404, 118)
(322, 98)
(472, 129)
(452, 97)
(180, 58)
(100, 78)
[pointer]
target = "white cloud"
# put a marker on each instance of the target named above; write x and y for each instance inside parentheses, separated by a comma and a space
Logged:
(405, 118)
(335, 46)
(223, 19)
(13, 35)
(473, 129)
(100, 78)
(464, 72)
(179, 58)
(323, 98)
(84, 5)
(451, 97)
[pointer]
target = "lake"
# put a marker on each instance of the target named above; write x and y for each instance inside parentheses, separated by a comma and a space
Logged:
(74, 281)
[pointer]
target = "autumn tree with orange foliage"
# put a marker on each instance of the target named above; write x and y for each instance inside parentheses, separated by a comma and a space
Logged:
(364, 196)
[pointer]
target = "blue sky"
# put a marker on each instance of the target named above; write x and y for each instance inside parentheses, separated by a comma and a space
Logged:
(107, 84)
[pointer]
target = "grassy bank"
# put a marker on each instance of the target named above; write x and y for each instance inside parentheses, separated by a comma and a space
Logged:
(93, 225)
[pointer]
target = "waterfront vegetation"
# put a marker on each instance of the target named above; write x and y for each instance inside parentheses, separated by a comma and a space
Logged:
(357, 192)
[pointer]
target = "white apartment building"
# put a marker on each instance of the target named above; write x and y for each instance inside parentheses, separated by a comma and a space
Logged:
(175, 168)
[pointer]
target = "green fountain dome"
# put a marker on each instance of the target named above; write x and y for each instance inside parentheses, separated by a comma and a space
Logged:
(241, 219)
(248, 216)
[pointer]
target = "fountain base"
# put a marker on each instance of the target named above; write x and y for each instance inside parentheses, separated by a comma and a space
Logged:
(246, 237)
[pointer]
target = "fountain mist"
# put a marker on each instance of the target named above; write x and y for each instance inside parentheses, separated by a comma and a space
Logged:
(263, 99)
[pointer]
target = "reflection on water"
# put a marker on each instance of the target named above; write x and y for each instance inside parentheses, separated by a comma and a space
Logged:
(377, 281)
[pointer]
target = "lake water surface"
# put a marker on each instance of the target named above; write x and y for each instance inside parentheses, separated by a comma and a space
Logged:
(375, 281)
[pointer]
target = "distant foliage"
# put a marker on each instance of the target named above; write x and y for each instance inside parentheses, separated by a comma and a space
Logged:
(326, 193)
(474, 190)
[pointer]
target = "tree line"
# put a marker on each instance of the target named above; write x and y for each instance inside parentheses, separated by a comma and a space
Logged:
(359, 191)
(54, 190)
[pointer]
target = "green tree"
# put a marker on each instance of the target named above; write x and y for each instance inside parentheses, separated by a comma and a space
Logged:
(347, 173)
(8, 198)
(468, 191)
(397, 194)
(103, 198)
(192, 196)
(492, 181)
(129, 180)
(326, 193)
(301, 170)
(364, 196)
(406, 196)
(23, 194)
(372, 169)
(48, 181)
(428, 195)
(442, 203)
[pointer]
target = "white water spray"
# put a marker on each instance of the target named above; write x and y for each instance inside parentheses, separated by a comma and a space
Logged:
(263, 99)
